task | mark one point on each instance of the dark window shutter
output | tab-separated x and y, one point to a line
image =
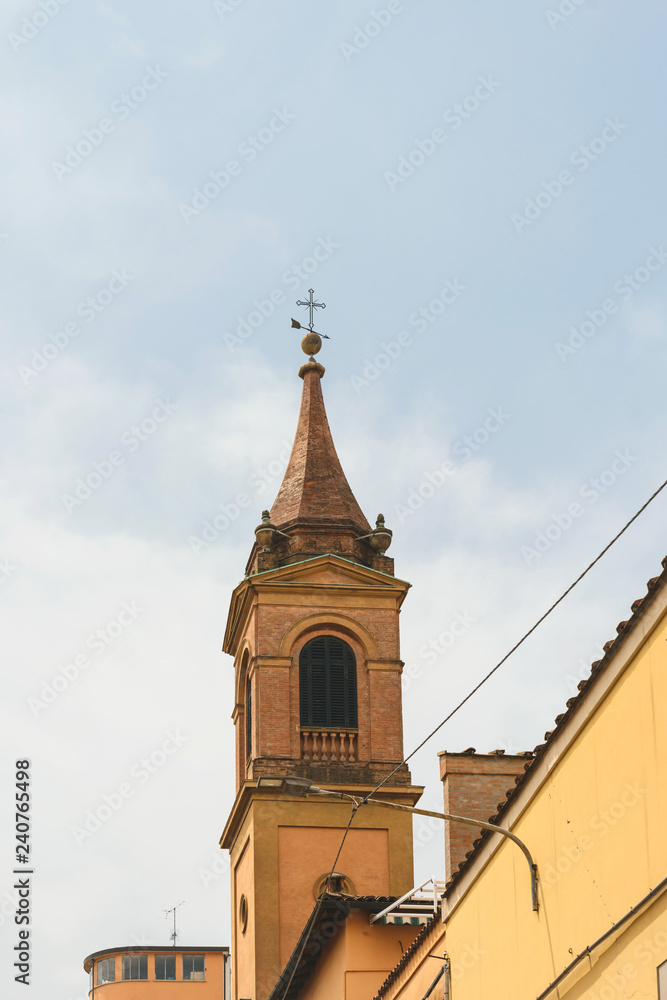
328	684
248	719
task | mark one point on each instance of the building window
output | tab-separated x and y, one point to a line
106	971
193	966
135	967
248	718
328	684
165	966
662	981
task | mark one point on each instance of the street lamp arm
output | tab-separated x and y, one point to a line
471	822
302	787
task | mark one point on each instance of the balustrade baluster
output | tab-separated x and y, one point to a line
330	746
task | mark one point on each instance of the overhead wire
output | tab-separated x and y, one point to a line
313	919
467	698
519	643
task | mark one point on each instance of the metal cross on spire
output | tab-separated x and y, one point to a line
311	305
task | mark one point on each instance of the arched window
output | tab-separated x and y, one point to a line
248	718
328	684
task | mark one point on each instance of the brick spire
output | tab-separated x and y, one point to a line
314	491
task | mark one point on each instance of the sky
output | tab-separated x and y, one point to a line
476	192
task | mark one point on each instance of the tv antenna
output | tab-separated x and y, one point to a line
166	917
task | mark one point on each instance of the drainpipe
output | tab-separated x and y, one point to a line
443	971
448	971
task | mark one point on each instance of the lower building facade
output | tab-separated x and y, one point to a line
175	973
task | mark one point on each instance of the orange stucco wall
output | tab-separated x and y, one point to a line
244	884
306	853
151	989
357	960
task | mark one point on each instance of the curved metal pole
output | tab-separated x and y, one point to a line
476	823
300	786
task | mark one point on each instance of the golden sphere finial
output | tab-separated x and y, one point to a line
311	343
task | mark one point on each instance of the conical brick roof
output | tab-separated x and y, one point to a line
314	489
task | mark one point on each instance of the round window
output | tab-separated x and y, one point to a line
334	883
243	913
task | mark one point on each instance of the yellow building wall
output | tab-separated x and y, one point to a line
597	828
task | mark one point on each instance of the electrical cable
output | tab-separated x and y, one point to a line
463	702
519	643
313	919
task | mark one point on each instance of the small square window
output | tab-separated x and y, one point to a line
193	967
135	967
106	971
165	966
662	981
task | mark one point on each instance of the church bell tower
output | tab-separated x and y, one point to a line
314	632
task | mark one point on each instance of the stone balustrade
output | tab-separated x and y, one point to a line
328	744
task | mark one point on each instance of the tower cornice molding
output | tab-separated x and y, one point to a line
290	811
353	585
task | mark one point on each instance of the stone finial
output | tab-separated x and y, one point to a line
380	538
265	532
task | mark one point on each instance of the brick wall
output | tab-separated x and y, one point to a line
473	785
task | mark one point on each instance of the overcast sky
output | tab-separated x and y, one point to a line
476	191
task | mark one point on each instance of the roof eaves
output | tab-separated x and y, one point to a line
330	906
638	608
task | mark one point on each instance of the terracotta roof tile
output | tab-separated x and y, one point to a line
637	608
314	487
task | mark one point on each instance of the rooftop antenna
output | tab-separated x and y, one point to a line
166	917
